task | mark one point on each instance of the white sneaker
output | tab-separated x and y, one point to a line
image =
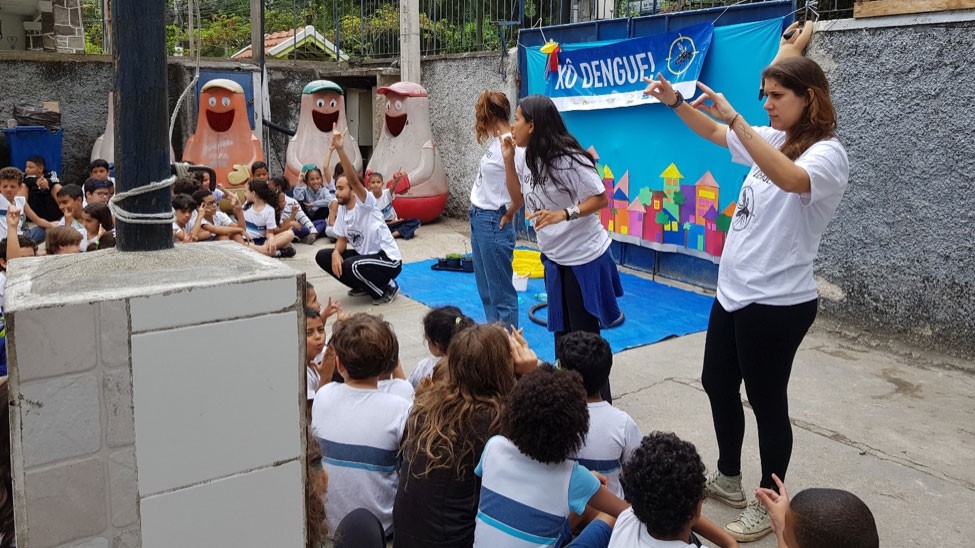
752	524
726	489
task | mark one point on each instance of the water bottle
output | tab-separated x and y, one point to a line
541	297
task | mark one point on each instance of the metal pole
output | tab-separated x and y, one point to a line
141	119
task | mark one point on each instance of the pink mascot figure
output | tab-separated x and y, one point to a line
223	138
406	145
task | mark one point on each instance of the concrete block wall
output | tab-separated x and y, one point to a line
158	400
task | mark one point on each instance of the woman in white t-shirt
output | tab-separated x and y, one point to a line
492	208
767	298
562	194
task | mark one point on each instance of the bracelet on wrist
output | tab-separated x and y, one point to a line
734	119
678	102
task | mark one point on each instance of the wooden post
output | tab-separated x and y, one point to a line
141	120
192	28
257	32
107	27
879	8
409	40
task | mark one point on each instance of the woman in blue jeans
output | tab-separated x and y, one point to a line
492	208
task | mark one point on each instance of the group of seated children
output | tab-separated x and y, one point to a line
496	449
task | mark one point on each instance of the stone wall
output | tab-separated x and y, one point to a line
63	29
899	257
454	84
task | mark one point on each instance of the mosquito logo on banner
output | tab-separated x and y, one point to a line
610	75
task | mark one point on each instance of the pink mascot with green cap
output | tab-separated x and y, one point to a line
407	154
322	108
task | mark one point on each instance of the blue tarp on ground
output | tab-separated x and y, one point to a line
654	311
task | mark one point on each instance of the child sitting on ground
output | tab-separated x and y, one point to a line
819	517
98	222
59	240
41	190
260	221
97	191
400	228
665	485
312	194
613	435
358	427
439	327
101	170
71	200
217	224
10	184
292	216
314	354
186	227
529	486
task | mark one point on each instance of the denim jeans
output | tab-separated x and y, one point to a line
492	248
36	233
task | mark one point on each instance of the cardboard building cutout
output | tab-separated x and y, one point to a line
322	106
223	136
406	144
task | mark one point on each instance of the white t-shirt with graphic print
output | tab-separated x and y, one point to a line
568	243
364	228
774	235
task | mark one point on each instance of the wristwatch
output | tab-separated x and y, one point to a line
572	213
677	102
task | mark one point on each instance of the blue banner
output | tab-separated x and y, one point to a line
669	189
610	74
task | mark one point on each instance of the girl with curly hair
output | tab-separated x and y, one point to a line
529	484
447	428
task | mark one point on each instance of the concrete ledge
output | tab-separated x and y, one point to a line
38	282
910	20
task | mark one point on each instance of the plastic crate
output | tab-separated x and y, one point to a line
27	141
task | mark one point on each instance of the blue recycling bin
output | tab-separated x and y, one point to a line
27	141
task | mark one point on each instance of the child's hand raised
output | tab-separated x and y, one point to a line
507	146
13	218
524	357
331	309
777	504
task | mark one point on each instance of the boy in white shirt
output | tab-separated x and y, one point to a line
216	223
365	257
400	228
613	435
11	179
359	427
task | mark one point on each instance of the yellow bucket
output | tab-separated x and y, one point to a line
528	262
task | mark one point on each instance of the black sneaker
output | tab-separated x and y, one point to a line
287	252
357	292
388	296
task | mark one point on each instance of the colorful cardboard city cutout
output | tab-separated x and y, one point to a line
223	136
406	144
322	108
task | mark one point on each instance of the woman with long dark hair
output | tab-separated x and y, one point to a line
766	298
563	195
492	208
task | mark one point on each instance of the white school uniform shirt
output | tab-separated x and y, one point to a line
630	532
359	431
385	204
397	387
569	243
490	191
19	203
189	224
422	369
364	228
612	438
525	503
774	235
258	222
290	204
3	283
311	381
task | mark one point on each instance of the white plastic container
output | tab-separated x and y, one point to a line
520	281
